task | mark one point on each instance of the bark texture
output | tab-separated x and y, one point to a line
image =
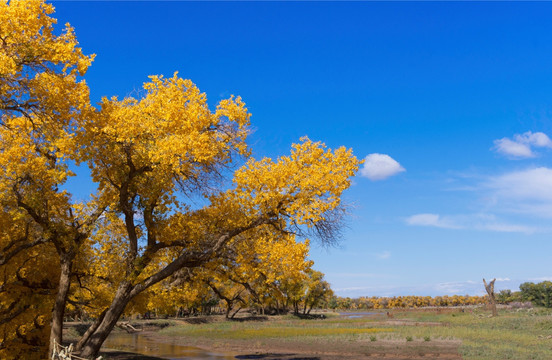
490	291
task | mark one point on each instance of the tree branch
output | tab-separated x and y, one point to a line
6	256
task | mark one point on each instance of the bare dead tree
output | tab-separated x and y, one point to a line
490	291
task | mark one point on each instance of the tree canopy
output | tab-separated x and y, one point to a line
148	156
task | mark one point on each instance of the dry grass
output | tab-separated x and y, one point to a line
426	334
282	327
511	335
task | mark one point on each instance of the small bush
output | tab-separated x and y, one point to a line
427	338
373	338
409	338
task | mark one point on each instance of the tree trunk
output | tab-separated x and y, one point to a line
127	291
94	343
234	314
228	308
59	305
90	331
492	300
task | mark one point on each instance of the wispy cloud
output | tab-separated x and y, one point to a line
527	191
521	146
384	255
529	184
456	288
357	275
483	222
511	202
380	167
434	220
467	287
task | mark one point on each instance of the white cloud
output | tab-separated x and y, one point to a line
431	220
384	255
482	222
537	139
470	287
517	201
355	275
509	228
527	191
513	149
380	166
453	288
534	184
521	146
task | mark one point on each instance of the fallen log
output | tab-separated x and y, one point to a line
128	327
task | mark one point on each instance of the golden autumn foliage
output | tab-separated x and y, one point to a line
269	272
25	297
42	101
123	250
410	301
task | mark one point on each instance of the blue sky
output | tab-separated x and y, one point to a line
450	103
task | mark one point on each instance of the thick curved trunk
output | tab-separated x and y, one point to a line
59	306
127	291
84	339
95	341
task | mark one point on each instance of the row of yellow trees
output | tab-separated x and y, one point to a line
138	234
411	301
206	293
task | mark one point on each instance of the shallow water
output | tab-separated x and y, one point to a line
359	314
172	349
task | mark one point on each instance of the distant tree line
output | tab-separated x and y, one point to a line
368	303
539	294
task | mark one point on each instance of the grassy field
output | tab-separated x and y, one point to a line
523	334
278	327
408	334
514	334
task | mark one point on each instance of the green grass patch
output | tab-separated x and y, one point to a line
280	330
512	335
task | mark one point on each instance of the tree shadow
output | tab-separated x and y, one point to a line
196	320
81	328
250	318
123	355
274	356
311	316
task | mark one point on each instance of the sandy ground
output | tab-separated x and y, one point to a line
333	350
286	349
274	350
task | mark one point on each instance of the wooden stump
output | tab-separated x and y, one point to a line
490	291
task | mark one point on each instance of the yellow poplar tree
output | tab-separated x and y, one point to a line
148	156
258	264
42	102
